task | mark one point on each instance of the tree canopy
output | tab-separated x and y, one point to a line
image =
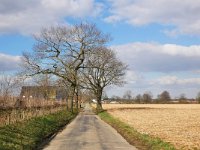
103	68
73	53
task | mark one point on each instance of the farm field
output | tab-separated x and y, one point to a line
178	124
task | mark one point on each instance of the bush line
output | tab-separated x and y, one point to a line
139	140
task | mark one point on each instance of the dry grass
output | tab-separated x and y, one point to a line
178	124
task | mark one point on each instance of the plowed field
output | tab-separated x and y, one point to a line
178	124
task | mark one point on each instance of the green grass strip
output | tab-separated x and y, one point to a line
29	134
139	140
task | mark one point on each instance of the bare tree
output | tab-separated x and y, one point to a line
182	98
138	98
103	68
198	97
147	97
127	95
164	96
44	82
9	86
61	51
115	97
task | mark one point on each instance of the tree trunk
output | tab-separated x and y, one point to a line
76	99
71	96
76	87
67	96
99	106
99	96
67	103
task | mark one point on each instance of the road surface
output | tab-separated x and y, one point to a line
88	132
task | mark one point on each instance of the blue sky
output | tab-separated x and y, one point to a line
160	41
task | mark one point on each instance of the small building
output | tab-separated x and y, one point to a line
43	92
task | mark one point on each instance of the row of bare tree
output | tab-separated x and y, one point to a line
163	97
78	58
146	97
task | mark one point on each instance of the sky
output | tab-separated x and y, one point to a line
159	40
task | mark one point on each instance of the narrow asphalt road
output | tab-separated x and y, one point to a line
88	132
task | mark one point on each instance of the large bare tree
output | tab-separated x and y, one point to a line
103	68
61	51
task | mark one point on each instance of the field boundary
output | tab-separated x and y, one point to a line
10	116
139	140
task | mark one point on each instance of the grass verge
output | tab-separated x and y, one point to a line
29	134
139	140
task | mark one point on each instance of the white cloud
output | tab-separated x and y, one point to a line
157	67
27	17
9	63
151	57
183	15
174	80
133	77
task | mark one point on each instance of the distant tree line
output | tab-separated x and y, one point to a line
147	97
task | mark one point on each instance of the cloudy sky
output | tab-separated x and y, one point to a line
159	40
